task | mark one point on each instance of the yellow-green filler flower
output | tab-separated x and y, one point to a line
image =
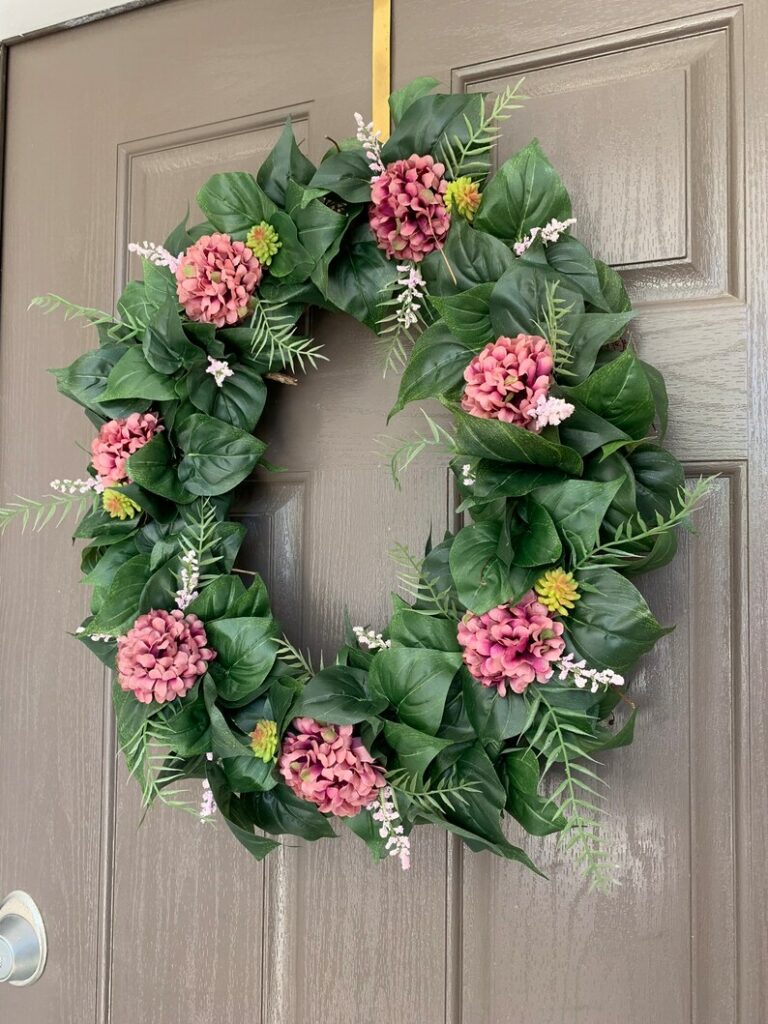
264	242
118	505
558	591
264	740
463	195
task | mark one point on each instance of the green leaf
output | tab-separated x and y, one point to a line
409	628
505	442
494	718
360	278
658	479
240	399
588	332
165	344
186	725
584	431
466	315
519	299
474	258
133	377
494	480
538	815
218	598
620	393
415	750
483	579
571	263
246	652
660	398
612	289
429	122
151	468
248	773
280	811
338	695
416	683
436	365
85	380
611	625
119	610
578	508
233	810
284	163
234	202
525	192
134	305
217	456
346	174
401	99
539	543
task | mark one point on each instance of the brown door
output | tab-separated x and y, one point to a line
655	114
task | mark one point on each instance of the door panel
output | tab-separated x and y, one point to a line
643	109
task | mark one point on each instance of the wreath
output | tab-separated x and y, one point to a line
505	665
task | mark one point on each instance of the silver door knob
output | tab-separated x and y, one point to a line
23	946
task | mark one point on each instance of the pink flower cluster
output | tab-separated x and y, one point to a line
328	766
507	380
119	439
162	655
216	278
408	214
511	646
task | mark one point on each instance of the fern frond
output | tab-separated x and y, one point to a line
405	451
200	536
419	586
38	514
146	756
468	158
440	799
299	663
550	326
614	554
118	328
274	337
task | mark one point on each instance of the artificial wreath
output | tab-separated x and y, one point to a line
506	664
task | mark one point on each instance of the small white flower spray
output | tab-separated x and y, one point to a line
549	233
386	815
371	141
189	578
583	677
156	254
370	640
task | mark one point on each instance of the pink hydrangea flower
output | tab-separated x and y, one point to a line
408	214
511	646
119	439
507	379
162	655
328	766
216	278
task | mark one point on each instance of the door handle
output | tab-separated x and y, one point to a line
23	946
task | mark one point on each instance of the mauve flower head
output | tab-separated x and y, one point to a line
511	645
507	379
119	439
329	766
216	278
162	656
408	214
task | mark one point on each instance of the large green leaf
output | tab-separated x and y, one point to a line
401	99
360	278
239	400
578	508
570	263
587	333
233	810
415	749
409	628
85	380
519	300
620	393
436	366
466	315
495	480
537	815
284	163
584	431
217	456
339	695
151	468
505	442
246	651
483	579
217	599
611	625
658	479
120	607
539	543
234	202
494	718
415	682
525	192
280	811
346	174
133	377
165	344
468	258
430	122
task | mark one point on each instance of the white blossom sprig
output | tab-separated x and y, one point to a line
371	141
550	412
467	476
83	486
410	297
549	233
207	803
156	254
385	813
219	369
189	578
582	677
370	639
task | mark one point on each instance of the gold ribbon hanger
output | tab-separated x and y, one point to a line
381	70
